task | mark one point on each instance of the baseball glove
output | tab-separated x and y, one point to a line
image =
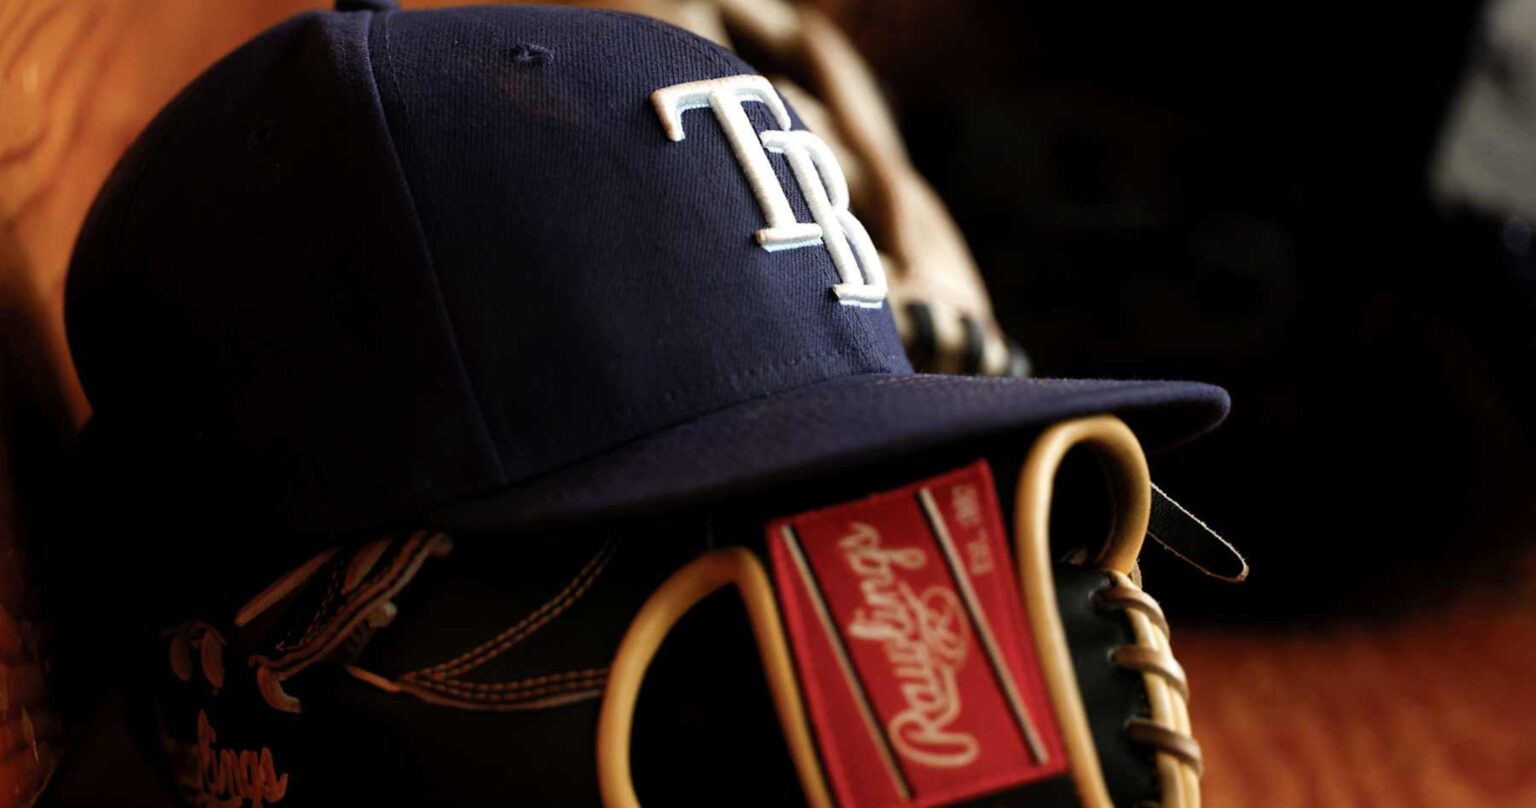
868	638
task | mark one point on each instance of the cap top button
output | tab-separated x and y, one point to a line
366	5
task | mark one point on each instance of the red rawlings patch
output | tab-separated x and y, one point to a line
912	645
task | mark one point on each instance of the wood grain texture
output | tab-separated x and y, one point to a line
78	80
1433	710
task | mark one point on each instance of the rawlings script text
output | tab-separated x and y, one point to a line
924	637
225	778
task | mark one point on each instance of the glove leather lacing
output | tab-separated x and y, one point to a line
1167	733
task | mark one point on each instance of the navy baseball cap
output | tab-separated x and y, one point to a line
502	266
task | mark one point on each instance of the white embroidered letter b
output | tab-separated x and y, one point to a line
815	170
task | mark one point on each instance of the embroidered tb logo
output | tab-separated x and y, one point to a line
815	170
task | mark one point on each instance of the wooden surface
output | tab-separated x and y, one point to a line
78	80
1434	710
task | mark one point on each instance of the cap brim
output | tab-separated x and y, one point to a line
843	422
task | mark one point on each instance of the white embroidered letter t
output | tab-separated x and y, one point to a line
813	167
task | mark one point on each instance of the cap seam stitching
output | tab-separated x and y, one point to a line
732	379
616	416
686	420
1119	408
421	233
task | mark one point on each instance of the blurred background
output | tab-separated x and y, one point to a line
1328	212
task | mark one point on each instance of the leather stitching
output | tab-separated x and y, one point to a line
507	639
513	686
532	694
520	690
402	568
332	590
